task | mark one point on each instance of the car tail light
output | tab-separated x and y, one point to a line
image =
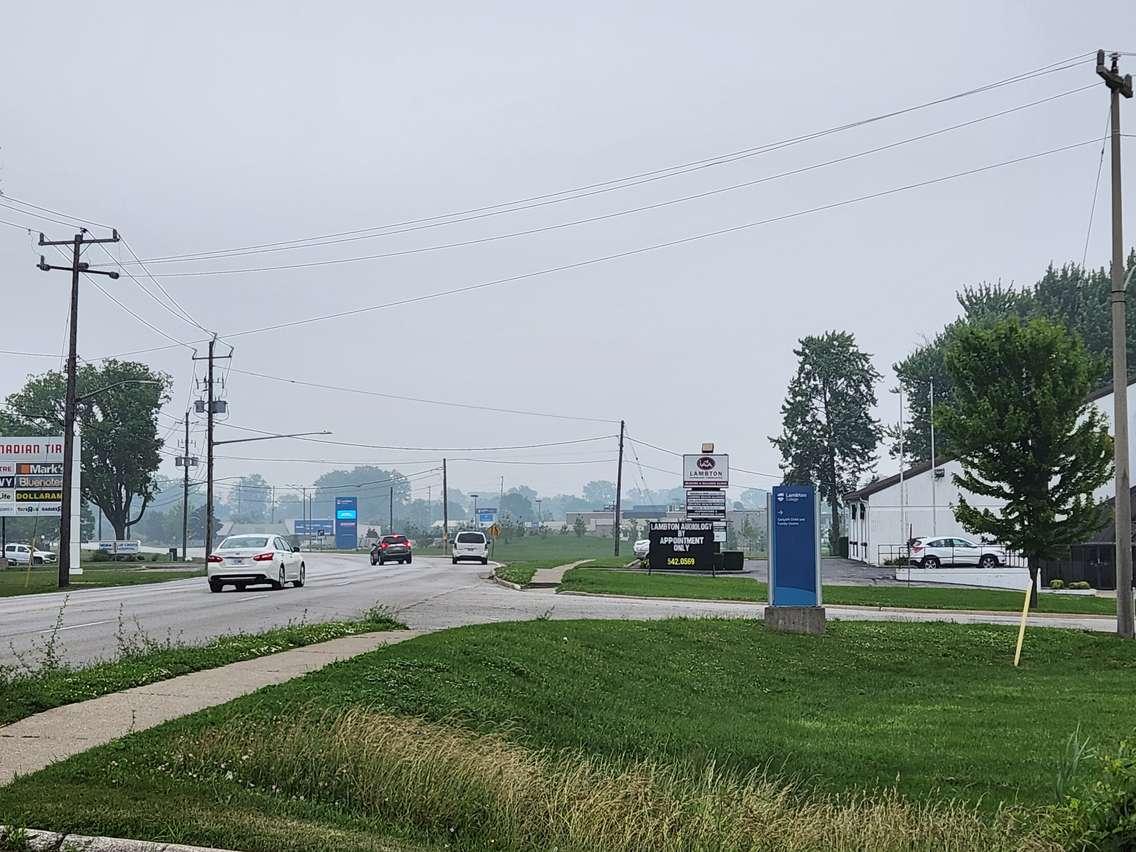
268	556
213	557
917	548
385	545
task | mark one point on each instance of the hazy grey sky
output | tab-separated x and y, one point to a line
216	125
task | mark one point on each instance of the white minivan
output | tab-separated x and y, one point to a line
471	544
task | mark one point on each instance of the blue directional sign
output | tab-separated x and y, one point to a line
346	523
794	546
316	526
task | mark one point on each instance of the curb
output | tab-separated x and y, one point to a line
894	609
506	584
55	842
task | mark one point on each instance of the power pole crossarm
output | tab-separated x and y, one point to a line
1125	625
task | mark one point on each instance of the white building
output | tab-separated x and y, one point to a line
877	515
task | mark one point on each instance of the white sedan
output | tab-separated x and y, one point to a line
245	560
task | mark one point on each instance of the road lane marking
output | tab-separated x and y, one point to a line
77	626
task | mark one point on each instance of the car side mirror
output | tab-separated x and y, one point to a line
296	549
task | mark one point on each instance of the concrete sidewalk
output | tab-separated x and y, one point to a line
549	578
31	744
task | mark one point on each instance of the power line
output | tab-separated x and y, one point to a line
1096	190
618	213
640	177
431	449
656	246
400	397
138	317
177	311
73	219
51	219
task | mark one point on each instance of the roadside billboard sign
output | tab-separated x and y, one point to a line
794	546
120	548
705	470
313	526
687	545
31	476
346	523
706	503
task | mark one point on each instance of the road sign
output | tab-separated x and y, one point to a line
486	516
31	477
705	470
494	530
685	545
794	546
318	526
120	547
346	523
705	503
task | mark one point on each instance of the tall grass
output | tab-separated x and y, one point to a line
483	790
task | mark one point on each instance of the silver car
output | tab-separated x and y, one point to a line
937	551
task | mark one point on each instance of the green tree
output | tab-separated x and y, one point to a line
599	493
250	499
118	430
516	506
579	526
829	436
1025	434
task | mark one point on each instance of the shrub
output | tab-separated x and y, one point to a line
100	556
1057	583
1103	814
1080	584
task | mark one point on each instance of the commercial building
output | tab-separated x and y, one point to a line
883	515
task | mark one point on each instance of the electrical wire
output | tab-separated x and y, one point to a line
176	310
136	316
429	449
618	213
654	247
15	209
640	177
73	218
1096	190
382	395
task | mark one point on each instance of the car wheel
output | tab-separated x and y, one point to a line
382	561
299	582
930	562
409	560
485	560
215	587
37	561
454	560
241	586
280	583
372	562
988	561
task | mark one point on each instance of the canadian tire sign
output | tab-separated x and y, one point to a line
706	470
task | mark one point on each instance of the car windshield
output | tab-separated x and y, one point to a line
394	539
471	538
237	542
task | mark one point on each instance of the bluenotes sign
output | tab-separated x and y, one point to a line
705	470
681	544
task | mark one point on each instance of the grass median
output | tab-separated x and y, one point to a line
704	587
21	581
43	680
680	734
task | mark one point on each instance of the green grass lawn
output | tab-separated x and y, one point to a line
141	660
21	581
935	710
587	578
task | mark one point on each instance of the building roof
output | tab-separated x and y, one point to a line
888	481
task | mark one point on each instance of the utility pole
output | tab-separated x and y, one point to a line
619	486
211	407
934	506
272	504
391	490
80	239
445	511
1125	624
186	461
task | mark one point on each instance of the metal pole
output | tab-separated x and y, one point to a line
934	506
619	486
445	511
902	501
391	490
1125	626
185	496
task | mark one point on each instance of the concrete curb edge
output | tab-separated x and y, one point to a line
56	842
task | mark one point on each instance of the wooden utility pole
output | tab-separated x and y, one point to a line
445	511
70	402
1125	625
619	486
212	406
186	461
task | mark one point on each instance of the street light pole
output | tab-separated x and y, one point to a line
934	506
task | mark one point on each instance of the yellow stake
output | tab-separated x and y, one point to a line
1022	628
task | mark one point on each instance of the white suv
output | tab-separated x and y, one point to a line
471	544
21	554
934	551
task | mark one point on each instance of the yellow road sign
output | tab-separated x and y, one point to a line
495	531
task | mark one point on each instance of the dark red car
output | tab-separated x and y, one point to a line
392	548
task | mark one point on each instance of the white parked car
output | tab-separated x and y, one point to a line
642	547
245	560
936	551
22	554
470	544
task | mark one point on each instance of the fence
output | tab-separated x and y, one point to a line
898	555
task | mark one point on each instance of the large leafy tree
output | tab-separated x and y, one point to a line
371	485
516	505
829	436
118	429
1025	434
599	493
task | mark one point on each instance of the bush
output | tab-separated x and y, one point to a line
1057	583
1079	584
100	556
1103	814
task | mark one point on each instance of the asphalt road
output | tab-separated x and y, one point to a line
430	593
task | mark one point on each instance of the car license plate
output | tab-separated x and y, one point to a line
236	560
